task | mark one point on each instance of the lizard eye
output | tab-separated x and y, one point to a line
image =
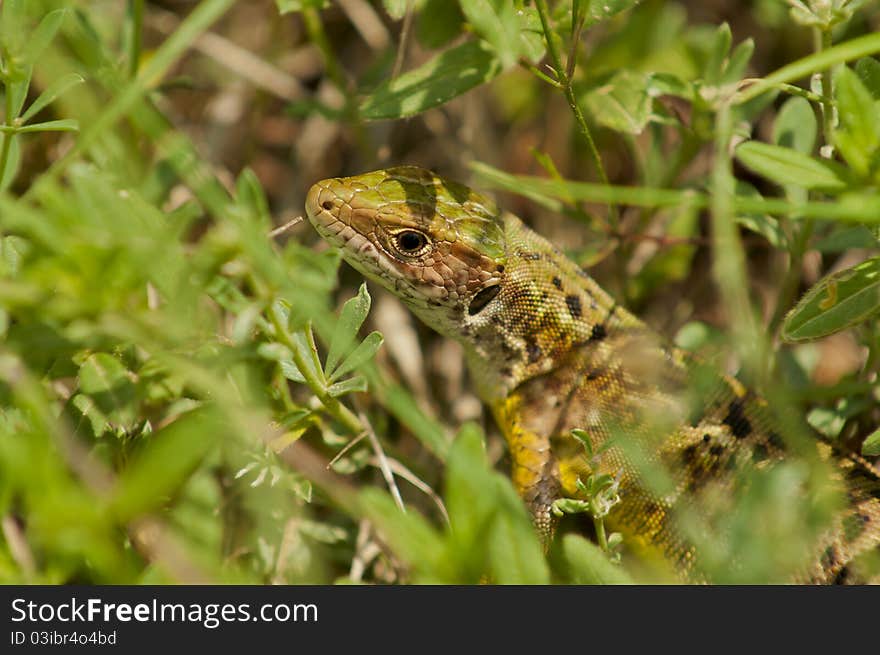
410	242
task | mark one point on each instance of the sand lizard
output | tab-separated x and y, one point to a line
549	350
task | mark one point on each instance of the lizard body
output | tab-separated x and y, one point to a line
550	351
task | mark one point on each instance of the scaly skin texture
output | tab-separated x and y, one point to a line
550	351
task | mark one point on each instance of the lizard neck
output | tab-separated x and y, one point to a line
547	307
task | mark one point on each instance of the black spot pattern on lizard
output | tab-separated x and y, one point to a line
736	420
557	283
574	305
533	350
841	576
689	454
828	558
775	440
759	453
854	525
599	332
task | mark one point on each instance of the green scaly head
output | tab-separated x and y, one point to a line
436	244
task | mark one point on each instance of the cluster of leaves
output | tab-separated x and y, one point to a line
168	373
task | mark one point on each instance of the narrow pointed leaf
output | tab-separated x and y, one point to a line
835	303
52	92
360	355
352	316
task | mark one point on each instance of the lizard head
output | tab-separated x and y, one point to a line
437	245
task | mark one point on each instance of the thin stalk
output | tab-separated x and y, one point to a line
136	17
565	80
599	525
822	40
564	75
317	35
405	31
332	405
7	138
792	280
803	232
728	256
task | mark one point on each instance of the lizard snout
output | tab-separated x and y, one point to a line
322	204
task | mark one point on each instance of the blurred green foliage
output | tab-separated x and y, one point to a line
174	382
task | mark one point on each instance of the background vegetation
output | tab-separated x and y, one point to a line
176	377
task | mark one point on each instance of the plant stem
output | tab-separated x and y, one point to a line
803	232
565	81
729	262
792	276
7	138
822	41
136	14
332	405
599	525
317	35
564	76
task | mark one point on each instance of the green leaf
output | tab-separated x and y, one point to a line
858	134
515	554
836	302
7	175
395	8
763	224
352	316
275	352
304	342
795	126
586	563
666	84
470	496
357	383
868	70
43	35
249	193
871	445
829	421
496	21
622	104
435	82
166	462
786	166
291	372
101	373
52	92
63	125
410	536
90	411
111	386
290	6
439	22
531	34
601	11
846	237
736	64
717	55
364	352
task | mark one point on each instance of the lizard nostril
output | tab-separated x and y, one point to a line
327	205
